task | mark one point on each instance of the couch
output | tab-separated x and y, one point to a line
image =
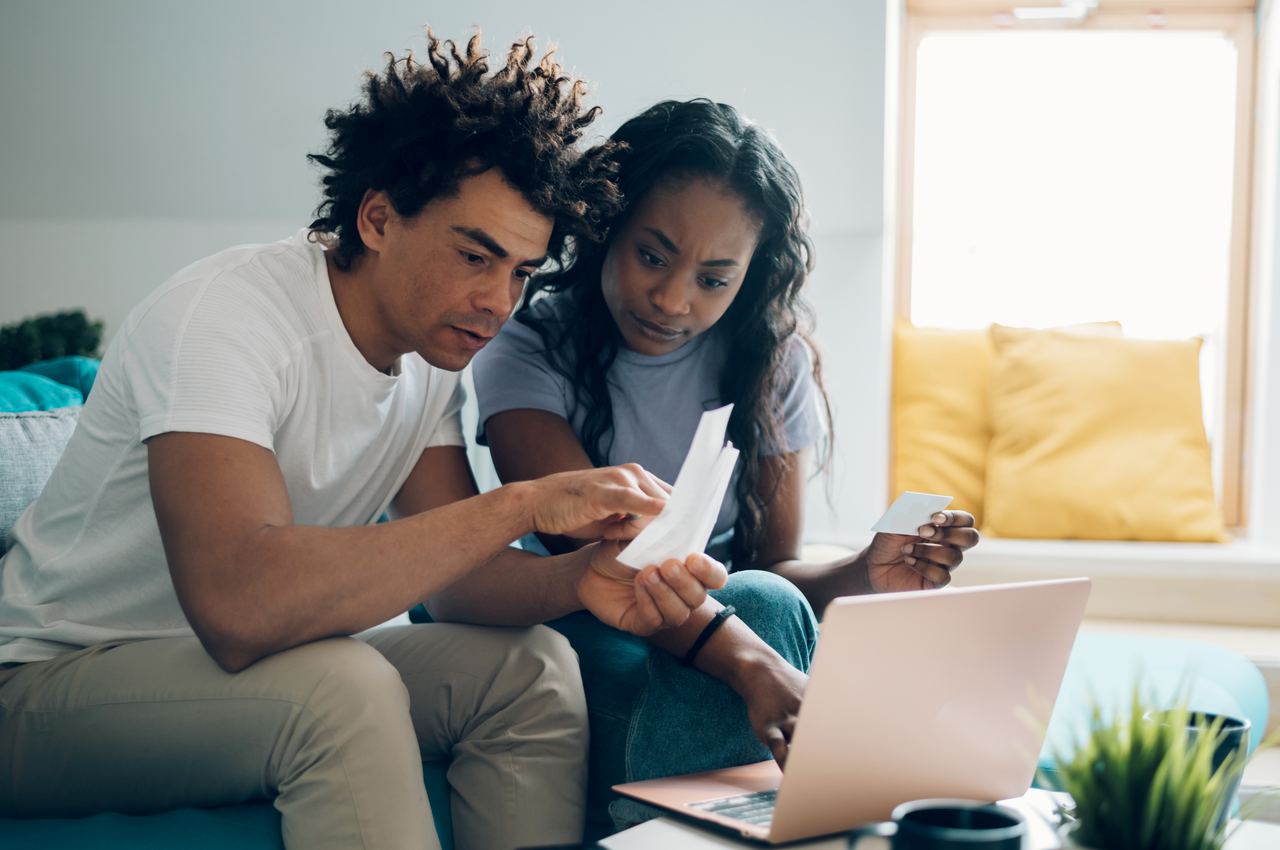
1104	667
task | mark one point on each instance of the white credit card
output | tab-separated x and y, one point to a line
909	512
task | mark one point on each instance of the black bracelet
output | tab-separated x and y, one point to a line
707	631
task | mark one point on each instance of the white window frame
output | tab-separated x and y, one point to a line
1235	19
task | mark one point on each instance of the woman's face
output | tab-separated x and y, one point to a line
677	263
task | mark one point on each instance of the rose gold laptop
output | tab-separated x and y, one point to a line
937	693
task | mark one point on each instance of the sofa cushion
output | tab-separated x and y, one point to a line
1098	438
30	444
22	391
79	373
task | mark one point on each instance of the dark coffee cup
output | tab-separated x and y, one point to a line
948	825
1233	737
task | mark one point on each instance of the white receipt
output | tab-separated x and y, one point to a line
687	520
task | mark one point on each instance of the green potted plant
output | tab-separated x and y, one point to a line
1142	781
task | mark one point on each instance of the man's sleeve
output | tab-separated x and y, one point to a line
202	360
514	372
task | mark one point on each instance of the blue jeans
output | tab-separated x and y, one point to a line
651	716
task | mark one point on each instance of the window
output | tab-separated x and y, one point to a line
1055	174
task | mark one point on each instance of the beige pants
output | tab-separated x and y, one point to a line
334	731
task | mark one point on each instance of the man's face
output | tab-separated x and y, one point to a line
449	277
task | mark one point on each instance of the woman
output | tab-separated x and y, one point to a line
692	301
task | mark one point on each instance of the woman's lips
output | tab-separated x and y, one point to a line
653	330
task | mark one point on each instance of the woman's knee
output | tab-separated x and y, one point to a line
776	610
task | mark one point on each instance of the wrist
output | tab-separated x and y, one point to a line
750	665
520	501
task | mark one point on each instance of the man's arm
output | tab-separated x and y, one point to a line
251	582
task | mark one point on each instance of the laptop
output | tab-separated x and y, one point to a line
928	694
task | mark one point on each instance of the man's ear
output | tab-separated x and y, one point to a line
371	219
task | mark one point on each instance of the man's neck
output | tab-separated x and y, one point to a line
353	293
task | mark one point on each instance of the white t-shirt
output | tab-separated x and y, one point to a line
247	343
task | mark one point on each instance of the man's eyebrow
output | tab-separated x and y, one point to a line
483	239
491	245
671	246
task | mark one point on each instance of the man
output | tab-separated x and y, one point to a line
175	612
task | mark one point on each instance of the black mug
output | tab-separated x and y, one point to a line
948	825
1233	737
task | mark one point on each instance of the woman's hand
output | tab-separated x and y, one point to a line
772	692
897	562
645	601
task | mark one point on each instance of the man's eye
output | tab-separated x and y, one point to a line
472	258
522	274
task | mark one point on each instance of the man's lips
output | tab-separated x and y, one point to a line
471	338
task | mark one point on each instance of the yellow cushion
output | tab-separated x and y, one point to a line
939	413
1099	438
940	423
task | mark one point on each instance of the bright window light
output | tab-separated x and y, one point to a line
1065	177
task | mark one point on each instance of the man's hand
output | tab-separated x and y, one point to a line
897	562
645	601
613	502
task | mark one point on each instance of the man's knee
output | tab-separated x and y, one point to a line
776	610
542	660
341	680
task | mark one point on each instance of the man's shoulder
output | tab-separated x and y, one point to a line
268	287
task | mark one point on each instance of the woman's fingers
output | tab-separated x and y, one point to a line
690	590
673	609
709	572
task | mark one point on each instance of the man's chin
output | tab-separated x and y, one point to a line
449	361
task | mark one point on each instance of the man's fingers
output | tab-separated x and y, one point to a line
632	500
674	611
707	570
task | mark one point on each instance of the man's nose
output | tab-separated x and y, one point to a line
499	295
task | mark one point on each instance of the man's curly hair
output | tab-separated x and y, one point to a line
420	129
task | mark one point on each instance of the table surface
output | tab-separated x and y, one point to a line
673	834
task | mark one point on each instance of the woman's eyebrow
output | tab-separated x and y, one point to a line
673	248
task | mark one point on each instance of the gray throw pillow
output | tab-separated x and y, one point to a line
30	445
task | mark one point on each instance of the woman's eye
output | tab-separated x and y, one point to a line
651	258
714	283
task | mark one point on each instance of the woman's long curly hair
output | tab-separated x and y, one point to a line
700	139
421	128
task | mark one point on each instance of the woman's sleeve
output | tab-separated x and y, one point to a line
803	424
515	372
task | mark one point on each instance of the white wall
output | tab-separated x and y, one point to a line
1264	380
139	135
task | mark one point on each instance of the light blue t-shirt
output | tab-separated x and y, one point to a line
657	400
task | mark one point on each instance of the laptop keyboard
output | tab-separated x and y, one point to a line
755	808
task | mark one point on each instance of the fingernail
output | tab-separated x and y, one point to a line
940	518
654	578
906	550
910	560
927	531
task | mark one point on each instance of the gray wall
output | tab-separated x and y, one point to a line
139	135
